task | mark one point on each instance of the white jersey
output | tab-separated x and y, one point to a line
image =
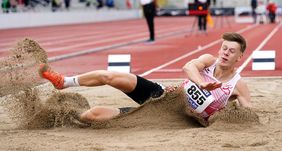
220	95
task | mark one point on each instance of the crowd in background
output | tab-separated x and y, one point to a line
260	9
57	5
15	5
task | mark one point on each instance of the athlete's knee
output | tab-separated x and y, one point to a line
85	116
106	77
90	115
99	114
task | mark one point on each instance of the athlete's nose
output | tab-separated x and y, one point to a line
226	52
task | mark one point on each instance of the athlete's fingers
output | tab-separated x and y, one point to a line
206	86
217	84
210	85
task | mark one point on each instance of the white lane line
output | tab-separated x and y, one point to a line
69	37
112	46
191	53
246	62
88	51
78	29
94	39
61	37
132	35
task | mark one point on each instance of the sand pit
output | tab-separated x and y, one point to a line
153	126
61	109
42	118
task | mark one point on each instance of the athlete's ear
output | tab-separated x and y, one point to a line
240	57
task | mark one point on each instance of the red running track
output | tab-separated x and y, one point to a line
174	45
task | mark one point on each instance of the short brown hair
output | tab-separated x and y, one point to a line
231	36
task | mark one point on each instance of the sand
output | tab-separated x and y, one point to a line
17	69
150	130
38	117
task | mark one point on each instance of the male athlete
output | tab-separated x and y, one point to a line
211	82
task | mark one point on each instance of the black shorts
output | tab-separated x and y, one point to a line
144	90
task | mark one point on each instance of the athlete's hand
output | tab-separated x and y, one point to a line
210	85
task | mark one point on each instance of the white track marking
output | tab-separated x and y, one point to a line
142	34
54	40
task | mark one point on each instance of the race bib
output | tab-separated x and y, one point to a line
198	99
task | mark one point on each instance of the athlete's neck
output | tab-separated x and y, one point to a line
224	74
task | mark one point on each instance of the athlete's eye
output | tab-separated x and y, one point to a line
224	47
232	50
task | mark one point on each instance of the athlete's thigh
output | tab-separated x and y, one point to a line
125	82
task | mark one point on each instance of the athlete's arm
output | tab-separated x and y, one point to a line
242	94
193	68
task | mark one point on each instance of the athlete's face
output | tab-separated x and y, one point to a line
229	53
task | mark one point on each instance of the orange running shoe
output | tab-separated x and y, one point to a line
55	78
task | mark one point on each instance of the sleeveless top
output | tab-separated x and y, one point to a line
221	95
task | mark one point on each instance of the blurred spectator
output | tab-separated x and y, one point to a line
26	3
128	4
9	5
110	3
271	8
13	4
254	5
5	6
202	18
89	2
100	4
149	10
56	4
214	2
67	4
261	12
31	4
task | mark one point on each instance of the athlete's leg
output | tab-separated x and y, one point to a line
99	113
125	82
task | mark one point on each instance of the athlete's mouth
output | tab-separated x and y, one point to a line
224	59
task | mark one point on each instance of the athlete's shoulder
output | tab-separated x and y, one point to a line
207	59
209	56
